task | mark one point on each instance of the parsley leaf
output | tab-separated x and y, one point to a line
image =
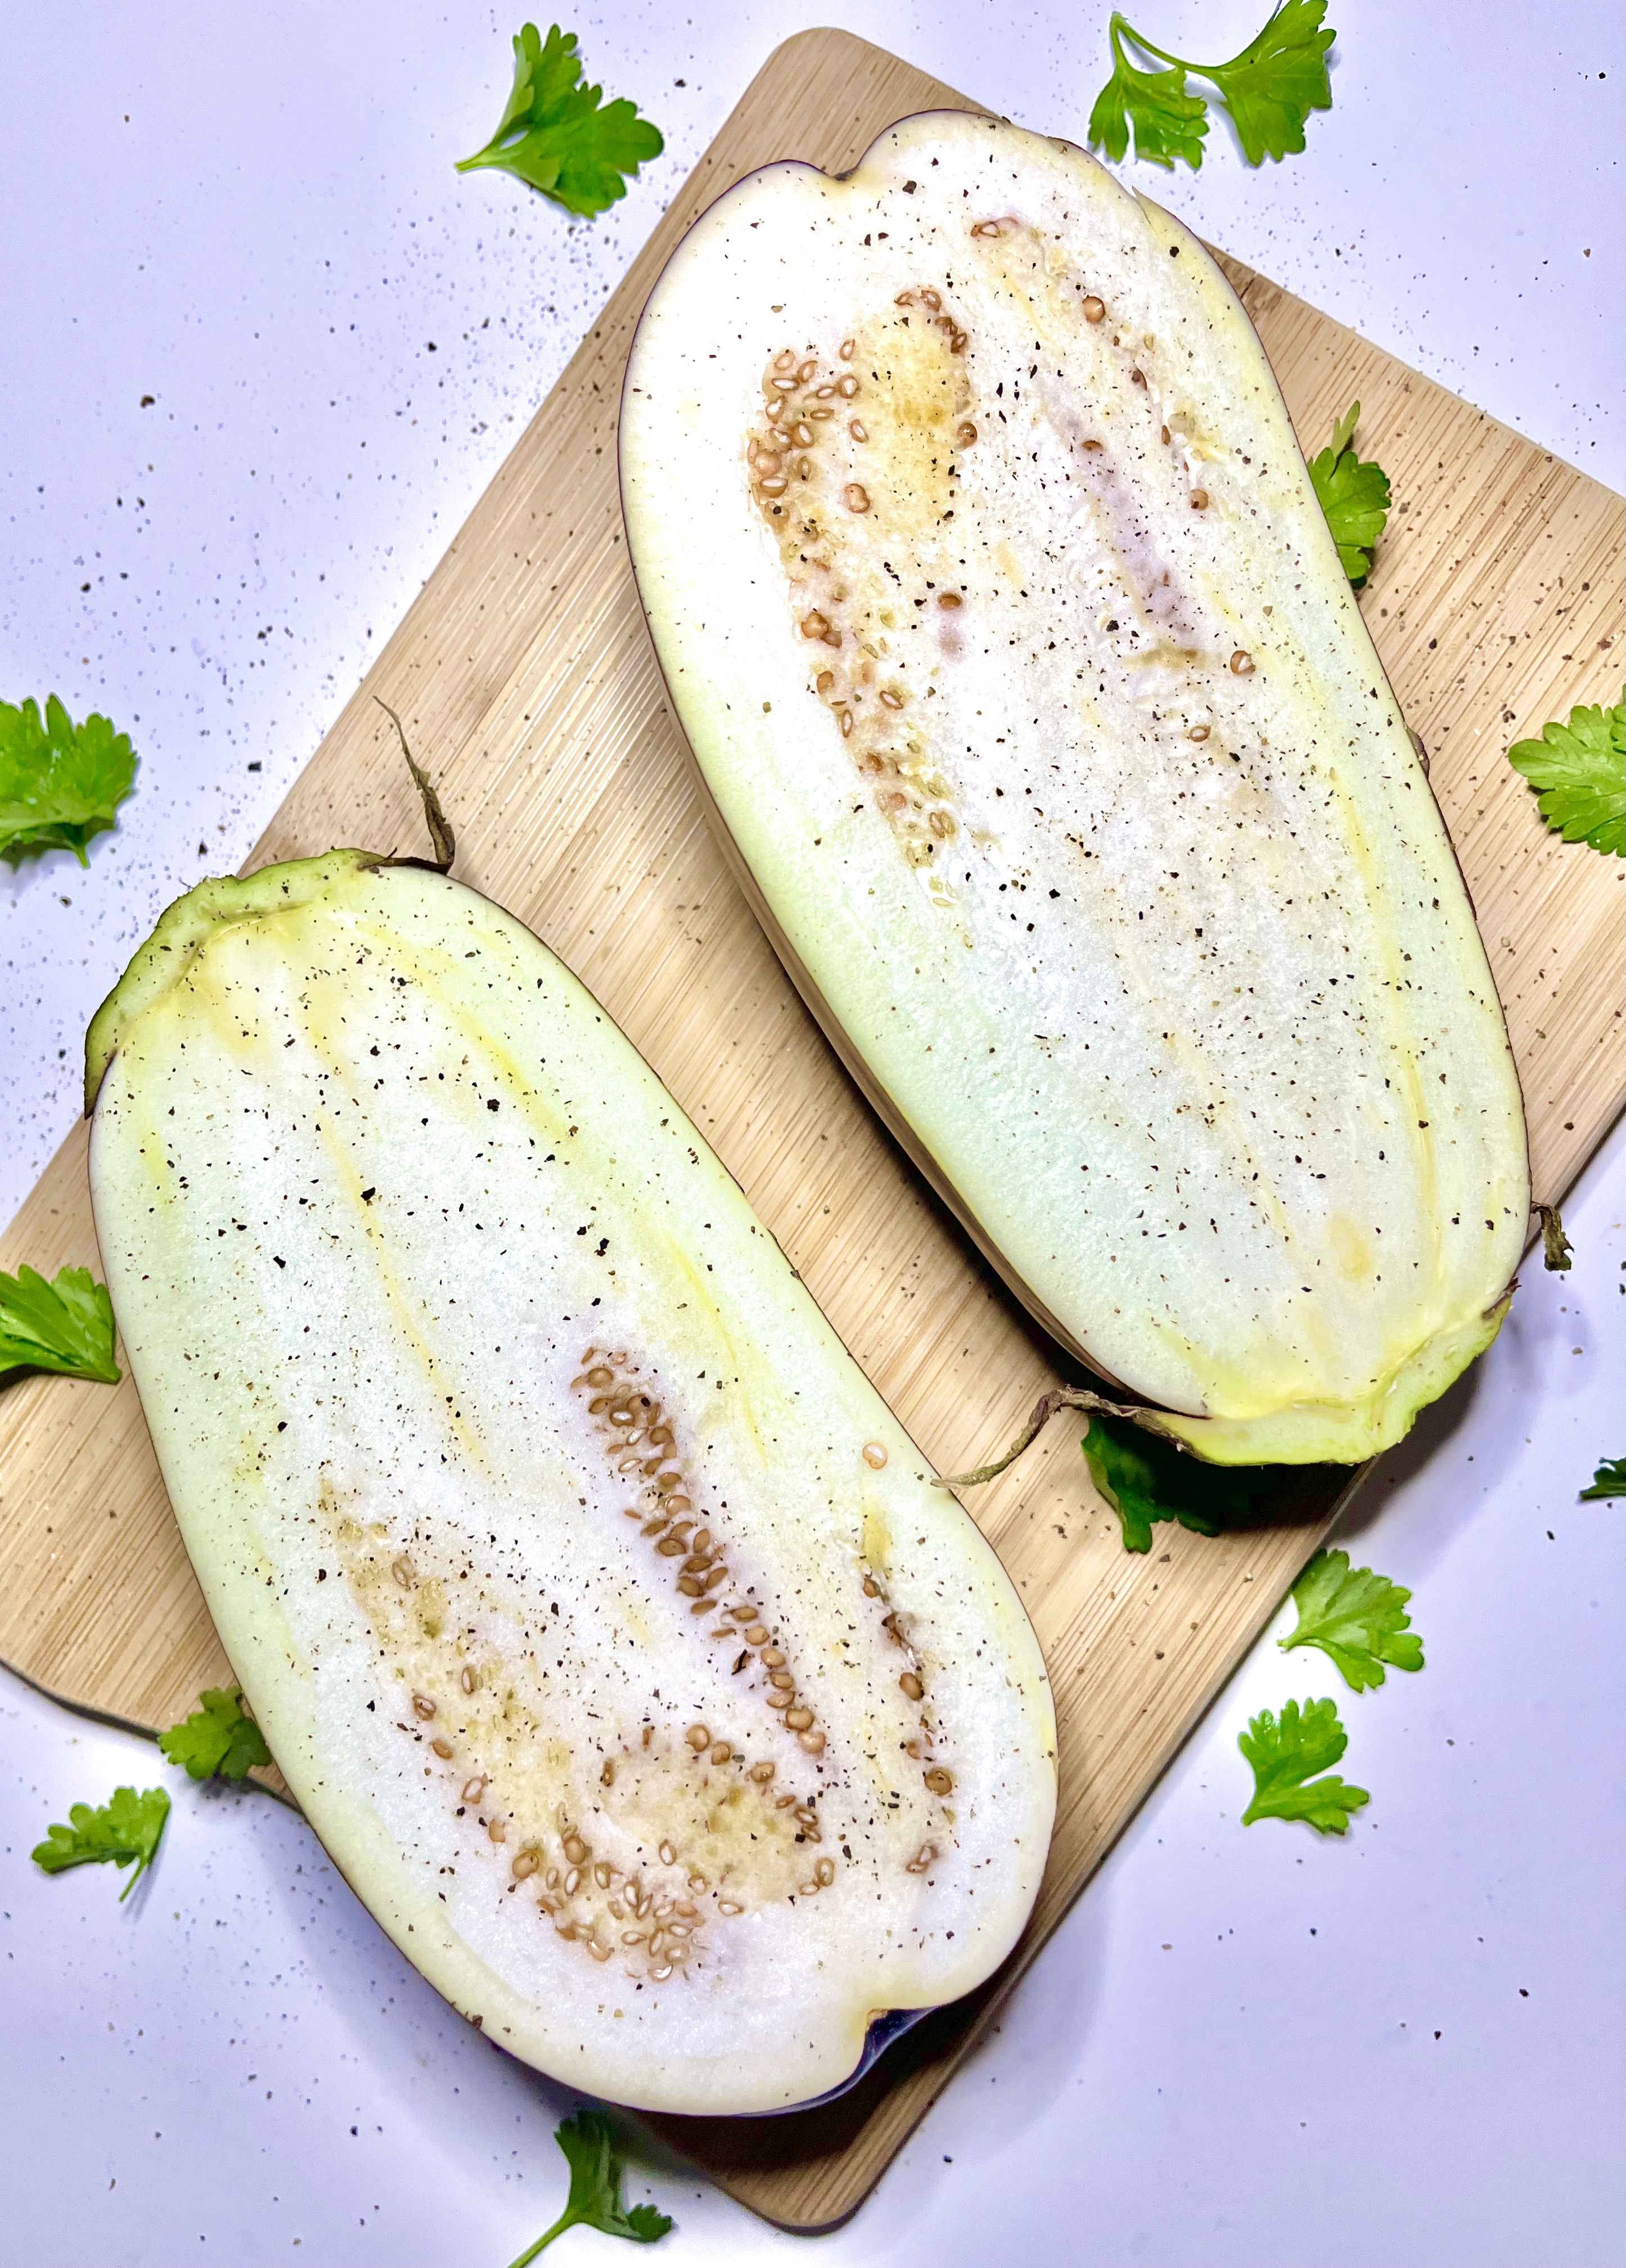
126	1829
1355	497
554	135
594	2200
1168	122
1146	1480
1283	1756
217	1742
1276	81
60	783
66	1326
1609	1480
1270	91
1357	1619
1579	771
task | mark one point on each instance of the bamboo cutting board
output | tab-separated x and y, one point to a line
528	688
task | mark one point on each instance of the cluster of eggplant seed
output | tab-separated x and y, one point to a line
642	1447
804	496
656	1925
665	1924
653	1917
806	407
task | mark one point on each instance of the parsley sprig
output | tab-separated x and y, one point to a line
595	2201
217	1740
1578	771
64	1326
126	1829
1355	497
1357	1619
1269	90
1609	1480
60	783
1146	1480
563	138
1285	1753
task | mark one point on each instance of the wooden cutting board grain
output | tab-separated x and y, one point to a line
528	687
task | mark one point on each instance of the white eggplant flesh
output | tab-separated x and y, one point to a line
604	1621
1042	726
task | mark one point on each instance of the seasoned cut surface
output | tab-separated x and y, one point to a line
602	1618
1018	659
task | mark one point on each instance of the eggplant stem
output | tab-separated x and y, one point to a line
439	826
1059	1397
1556	1246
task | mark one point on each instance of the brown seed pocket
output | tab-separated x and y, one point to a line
636	1856
640	1444
831	489
639	1851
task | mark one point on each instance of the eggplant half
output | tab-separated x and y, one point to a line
607	1625
1042	727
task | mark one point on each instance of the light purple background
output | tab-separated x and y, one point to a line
1252	2048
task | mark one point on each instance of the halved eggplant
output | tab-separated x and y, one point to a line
603	1620
1044	729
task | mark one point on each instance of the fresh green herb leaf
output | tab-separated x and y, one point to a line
1355	497
1609	1480
1285	1755
1556	1246
1578	770
594	2200
126	1829
1146	1480
1168	123
60	783
1270	91
1357	1619
1276	81
66	1326
217	1742
554	135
